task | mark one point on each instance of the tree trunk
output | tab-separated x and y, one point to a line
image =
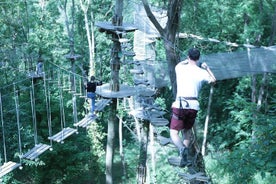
110	141
90	38
114	84
70	32
172	60
121	147
152	152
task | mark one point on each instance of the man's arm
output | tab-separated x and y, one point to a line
205	66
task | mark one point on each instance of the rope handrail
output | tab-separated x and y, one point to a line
3	131
32	96
18	122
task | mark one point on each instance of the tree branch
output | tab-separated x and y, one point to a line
152	18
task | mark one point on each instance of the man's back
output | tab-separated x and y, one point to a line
189	79
91	87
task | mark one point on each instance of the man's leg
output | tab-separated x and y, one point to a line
176	139
187	137
178	142
93	101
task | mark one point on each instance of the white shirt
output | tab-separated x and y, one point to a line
189	80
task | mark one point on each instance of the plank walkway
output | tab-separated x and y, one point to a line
8	167
194	177
100	105
36	151
159	121
63	134
86	121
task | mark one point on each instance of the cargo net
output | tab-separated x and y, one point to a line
242	63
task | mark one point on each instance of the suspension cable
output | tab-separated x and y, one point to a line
48	108
16	100
32	96
61	105
3	131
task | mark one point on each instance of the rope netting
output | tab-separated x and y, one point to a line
242	63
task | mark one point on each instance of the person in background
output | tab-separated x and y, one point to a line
39	68
91	89
189	79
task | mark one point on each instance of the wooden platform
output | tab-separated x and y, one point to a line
131	62
124	40
175	161
66	132
100	105
72	56
125	91
129	53
145	92
141	81
86	121
36	151
136	71
110	28
146	114
159	121
8	167
194	177
34	75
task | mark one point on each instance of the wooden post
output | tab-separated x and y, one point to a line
207	121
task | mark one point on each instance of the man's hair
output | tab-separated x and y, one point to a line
194	54
92	78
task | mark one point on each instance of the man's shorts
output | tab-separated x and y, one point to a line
182	118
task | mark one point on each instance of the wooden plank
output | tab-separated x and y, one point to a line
8	167
86	121
36	151
66	132
124	91
164	140
100	105
109	27
136	71
192	177
159	121
129	53
34	75
176	161
141	81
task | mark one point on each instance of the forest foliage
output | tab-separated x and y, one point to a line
242	129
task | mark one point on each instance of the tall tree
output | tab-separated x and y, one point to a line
168	34
117	20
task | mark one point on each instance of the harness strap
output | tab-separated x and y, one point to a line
181	107
187	98
180	102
